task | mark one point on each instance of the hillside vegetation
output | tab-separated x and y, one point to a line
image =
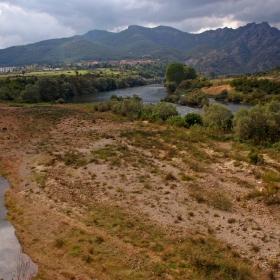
251	48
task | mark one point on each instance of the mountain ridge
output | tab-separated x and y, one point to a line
250	48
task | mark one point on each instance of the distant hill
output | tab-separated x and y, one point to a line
251	48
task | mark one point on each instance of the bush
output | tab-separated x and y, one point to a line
147	111
171	86
223	95
260	123
218	115
192	119
255	158
235	97
172	98
103	106
195	98
164	110
176	121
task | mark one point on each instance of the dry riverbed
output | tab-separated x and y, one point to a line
96	196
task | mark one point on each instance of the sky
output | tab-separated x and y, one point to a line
29	21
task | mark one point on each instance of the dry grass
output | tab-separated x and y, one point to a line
101	197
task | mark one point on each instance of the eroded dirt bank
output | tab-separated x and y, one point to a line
95	196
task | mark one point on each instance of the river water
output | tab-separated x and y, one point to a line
13	263
149	94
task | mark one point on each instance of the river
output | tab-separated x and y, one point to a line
13	263
149	94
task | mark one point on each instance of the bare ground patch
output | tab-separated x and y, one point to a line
97	197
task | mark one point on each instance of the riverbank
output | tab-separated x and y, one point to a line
95	196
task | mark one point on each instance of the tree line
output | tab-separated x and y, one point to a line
48	89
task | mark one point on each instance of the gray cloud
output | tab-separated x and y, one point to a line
27	21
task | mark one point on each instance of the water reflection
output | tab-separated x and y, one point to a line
13	263
149	94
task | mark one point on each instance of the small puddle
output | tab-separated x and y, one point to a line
13	263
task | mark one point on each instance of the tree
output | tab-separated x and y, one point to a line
175	72
30	94
190	73
48	89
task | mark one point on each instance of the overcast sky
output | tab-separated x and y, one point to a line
29	21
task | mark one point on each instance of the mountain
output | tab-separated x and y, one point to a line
250	48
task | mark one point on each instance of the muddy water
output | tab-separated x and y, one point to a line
13	263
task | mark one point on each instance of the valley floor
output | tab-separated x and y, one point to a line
96	196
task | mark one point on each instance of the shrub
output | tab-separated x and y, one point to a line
223	95
103	106
260	123
192	119
235	97
176	121
172	98
218	115
164	110
255	158
195	98
171	86
147	111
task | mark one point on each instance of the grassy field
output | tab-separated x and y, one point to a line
103	71
45	73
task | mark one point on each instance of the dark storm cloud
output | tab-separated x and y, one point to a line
32	20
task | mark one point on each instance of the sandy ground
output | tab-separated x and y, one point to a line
48	195
217	89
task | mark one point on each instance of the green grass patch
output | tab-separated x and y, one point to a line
217	199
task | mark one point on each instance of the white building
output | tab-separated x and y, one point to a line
6	69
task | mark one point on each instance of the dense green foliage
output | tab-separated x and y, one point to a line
60	87
261	123
175	72
134	108
183	86
193	119
251	91
247	85
196	98
218	115
49	88
10	89
191	84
